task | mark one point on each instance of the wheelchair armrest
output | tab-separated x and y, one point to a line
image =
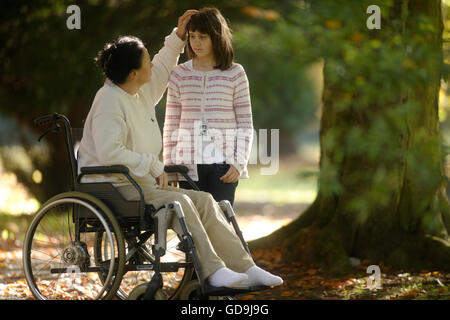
183	170
176	168
105	169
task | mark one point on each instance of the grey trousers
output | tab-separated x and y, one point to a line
216	243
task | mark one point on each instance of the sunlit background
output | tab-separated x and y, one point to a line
277	42
263	203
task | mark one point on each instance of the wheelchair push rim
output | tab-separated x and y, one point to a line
57	257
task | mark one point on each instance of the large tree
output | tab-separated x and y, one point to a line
381	193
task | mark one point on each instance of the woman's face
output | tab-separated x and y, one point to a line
200	43
145	72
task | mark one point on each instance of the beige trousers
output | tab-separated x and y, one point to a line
215	241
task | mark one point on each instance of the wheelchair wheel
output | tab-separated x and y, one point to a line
139	262
138	293
189	291
58	253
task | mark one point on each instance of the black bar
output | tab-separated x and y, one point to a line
165	267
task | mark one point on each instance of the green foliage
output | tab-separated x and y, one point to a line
282	95
377	81
48	68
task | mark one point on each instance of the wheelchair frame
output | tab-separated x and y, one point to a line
135	220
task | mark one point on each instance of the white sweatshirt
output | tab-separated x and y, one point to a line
121	129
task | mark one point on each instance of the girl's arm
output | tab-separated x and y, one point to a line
172	121
244	121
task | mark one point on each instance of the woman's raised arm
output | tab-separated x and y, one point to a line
167	58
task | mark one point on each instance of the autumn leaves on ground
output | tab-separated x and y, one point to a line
307	282
301	282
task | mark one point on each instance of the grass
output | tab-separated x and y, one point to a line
288	185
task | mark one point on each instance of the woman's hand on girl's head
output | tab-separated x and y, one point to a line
182	22
162	180
231	176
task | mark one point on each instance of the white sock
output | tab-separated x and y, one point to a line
225	277
258	276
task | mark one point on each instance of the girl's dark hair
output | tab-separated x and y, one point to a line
118	58
210	21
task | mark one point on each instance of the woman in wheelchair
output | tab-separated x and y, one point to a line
121	129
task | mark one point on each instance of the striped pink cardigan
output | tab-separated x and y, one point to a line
223	99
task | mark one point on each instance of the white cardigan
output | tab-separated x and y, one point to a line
122	129
222	99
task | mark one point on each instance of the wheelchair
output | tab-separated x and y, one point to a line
91	243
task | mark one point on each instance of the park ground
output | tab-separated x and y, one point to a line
264	204
301	282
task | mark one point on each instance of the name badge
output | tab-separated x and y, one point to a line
203	128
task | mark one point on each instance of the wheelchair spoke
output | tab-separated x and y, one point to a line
58	263
46	263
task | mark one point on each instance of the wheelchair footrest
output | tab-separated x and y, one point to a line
225	291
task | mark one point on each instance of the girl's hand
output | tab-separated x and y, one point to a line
162	180
231	176
182	22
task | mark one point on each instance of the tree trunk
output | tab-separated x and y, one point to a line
408	223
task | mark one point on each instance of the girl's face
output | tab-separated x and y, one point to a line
200	43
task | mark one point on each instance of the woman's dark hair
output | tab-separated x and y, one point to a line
210	21
118	58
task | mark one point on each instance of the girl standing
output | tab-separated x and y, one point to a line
208	125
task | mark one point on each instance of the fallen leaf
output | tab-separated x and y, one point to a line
287	293
311	272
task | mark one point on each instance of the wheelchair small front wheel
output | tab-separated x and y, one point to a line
138	293
173	281
189	292
59	248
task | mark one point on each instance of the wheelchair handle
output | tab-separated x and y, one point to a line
46	120
49	119
54	120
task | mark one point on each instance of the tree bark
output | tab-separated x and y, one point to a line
410	227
